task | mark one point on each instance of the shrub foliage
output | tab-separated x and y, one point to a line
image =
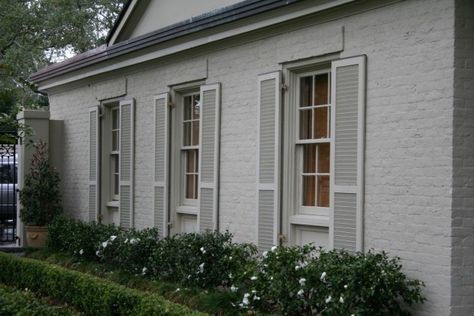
290	280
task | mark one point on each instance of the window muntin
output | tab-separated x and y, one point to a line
114	153
313	142
190	148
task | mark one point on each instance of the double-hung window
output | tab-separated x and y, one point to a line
313	144
190	149
114	154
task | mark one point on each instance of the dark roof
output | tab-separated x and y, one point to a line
209	20
118	20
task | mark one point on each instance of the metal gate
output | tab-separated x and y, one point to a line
8	194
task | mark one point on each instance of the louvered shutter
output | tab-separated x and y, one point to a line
160	194
209	157
347	154
269	98
126	162
93	163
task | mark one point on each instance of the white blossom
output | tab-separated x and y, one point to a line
81	252
126	241
328	299
104	244
245	300
201	268
233	288
230	276
97	253
256	298
253	278
323	277
345	286
297	268
144	270
178	289
302	281
265	254
133	241
274	248
203	250
112	238
254	291
230	258
300	292
341	299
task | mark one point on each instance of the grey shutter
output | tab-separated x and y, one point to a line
209	157
347	154
126	162
93	163
269	98
160	194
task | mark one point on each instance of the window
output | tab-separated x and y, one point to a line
110	160
190	147
313	143
114	155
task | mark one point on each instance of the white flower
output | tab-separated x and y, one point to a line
81	252
97	253
323	277
133	241
201	268
341	299
303	264
254	291
352	315
112	238
328	299
230	276
230	258
245	300
345	286
178	289
302	281
126	241
203	250
144	270
253	278
274	248
300	292
271	278
256	298
233	288
265	254
297	268
104	244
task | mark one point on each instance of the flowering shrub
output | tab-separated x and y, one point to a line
129	249
204	260
307	281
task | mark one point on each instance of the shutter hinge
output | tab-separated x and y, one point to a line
284	87
171	105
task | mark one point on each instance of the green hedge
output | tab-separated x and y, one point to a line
89	294
16	302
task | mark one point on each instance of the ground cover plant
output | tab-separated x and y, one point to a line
283	280
23	302
90	295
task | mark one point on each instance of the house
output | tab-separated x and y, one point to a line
347	123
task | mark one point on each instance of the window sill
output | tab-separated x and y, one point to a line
322	221
113	204
186	209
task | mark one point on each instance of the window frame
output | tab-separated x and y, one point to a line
298	144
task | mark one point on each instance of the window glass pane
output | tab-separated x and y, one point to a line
116	184
309	158
190	163
115	139
309	190
196	107
197	160
321	89
189	186
321	122
323	191
305	124
115	119
196	181
187	133
195	132
323	158
306	87
187	107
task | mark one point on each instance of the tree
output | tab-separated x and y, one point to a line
35	33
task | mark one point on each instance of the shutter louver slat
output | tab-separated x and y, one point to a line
160	175
93	163
348	92
209	157
268	160
126	164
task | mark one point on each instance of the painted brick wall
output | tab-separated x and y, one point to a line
462	287
409	146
